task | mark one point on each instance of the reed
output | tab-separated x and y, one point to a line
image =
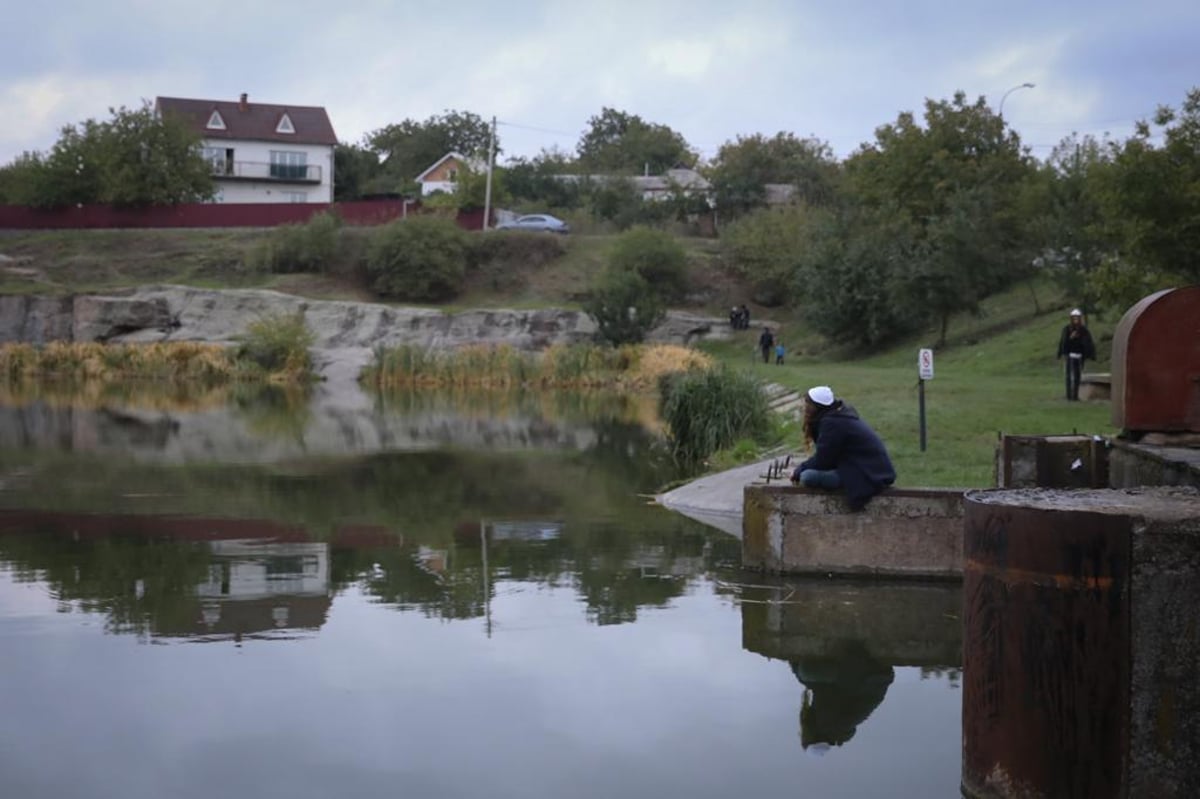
707	411
629	368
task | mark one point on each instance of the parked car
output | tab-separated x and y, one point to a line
544	222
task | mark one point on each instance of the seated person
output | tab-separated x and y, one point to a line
850	455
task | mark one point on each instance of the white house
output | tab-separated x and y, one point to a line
261	153
442	174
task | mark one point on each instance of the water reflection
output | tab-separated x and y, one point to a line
843	641
217	578
265	424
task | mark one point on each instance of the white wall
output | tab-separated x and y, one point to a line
274	191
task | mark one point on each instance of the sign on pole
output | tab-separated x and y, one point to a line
925	364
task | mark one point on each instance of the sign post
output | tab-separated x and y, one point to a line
924	372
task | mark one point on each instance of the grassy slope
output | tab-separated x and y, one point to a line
997	373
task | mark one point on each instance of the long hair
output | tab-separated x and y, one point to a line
812	415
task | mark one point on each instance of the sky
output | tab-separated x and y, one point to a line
712	71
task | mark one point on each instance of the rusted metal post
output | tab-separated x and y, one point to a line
1080	643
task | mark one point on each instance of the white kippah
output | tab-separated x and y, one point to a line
821	395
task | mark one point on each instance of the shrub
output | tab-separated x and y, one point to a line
624	307
277	344
656	256
519	248
422	258
310	247
709	410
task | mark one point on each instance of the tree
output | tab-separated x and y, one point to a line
619	143
655	256
955	184
624	307
354	167
1152	199
744	167
133	158
548	180
407	148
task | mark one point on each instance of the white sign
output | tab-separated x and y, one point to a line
925	364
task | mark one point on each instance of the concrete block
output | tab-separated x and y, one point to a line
910	532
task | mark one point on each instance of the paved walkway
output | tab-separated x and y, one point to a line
716	499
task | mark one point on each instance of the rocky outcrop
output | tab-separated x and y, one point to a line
346	333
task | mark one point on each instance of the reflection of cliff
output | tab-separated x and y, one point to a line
254	436
842	689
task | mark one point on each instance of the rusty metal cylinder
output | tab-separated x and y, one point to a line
1080	643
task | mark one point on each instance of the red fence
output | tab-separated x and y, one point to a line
210	215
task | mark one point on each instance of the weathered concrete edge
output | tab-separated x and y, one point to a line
766	533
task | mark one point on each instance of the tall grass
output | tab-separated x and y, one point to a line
706	411
632	368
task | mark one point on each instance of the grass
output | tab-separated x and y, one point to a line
985	383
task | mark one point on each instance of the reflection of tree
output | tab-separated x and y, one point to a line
842	689
140	584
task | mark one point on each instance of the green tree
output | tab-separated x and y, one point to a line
548	180
616	142
1152	200
956	184
133	158
624	307
744	167
767	246
408	148
655	256
354	168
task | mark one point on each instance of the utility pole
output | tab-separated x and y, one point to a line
487	191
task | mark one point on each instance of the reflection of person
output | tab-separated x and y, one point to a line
850	455
1077	345
766	342
842	689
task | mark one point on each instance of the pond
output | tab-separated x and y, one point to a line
433	596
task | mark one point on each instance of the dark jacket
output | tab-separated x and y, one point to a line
846	443
1077	340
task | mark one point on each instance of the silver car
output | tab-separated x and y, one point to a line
540	222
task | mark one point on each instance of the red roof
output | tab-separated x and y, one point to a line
256	121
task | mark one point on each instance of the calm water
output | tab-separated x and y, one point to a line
427	597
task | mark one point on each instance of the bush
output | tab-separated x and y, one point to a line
706	411
623	306
520	248
277	344
310	247
422	258
655	256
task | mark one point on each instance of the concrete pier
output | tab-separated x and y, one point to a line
903	532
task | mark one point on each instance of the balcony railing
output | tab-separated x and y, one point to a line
260	170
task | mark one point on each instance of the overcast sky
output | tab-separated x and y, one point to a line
710	70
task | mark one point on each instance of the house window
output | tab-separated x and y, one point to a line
285	125
452	175
215	121
288	165
220	158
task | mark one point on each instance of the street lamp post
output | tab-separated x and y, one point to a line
1003	97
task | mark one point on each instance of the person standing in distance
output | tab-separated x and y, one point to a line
850	455
1077	345
766	343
